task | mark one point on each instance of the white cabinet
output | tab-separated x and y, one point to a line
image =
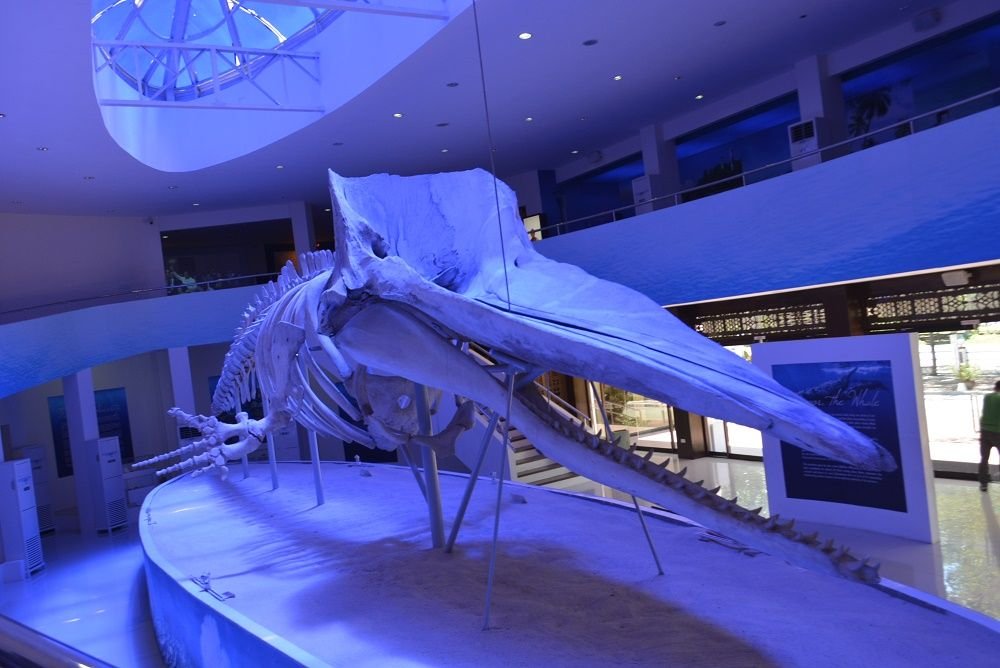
41	475
22	543
109	486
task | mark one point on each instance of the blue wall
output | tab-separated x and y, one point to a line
923	202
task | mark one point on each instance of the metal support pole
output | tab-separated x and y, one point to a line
246	467
496	518
431	480
473	477
405	454
635	502
271	456
317	473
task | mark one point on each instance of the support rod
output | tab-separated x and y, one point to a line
405	455
473	477
271	456
317	472
431	480
635	502
511	376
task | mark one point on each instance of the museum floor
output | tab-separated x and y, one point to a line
92	593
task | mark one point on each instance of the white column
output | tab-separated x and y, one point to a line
820	96
659	161
302	227
81	420
182	386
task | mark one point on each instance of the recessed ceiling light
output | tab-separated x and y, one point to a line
444	150
172	187
719	24
397	115
88	178
677	77
802	16
327	209
575	151
525	35
699	96
42	148
279	166
195	204
338	143
589	42
443	124
164	236
3	115
452	84
583	118
528	119
617	77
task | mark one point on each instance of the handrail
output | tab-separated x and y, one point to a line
899	130
198	286
27	647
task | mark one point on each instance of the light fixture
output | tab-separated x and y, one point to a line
279	166
590	42
677	77
452	84
172	187
699	96
617	77
956	278
719	24
397	115
327	209
164	236
444	150
443	124
338	143
3	115
42	148
525	35
528	119
575	151
88	178
195	204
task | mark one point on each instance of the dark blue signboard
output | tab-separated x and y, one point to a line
112	420
861	395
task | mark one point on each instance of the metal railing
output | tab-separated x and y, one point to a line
24	646
839	149
61	306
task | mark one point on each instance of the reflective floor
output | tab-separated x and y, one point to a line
92	594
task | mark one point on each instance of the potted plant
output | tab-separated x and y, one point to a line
968	375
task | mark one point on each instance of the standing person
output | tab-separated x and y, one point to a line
989	433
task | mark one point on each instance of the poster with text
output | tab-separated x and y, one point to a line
861	395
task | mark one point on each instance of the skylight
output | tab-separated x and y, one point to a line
139	39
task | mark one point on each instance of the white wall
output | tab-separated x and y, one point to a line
53	258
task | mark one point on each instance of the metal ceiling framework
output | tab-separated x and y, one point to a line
192	62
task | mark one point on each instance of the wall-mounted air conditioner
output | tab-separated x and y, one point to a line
22	544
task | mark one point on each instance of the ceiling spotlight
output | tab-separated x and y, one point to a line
590	42
699	96
525	35
444	150
279	166
195	204
719	24
617	77
575	151
3	115
172	187
452	84
802	16
327	209
442	125
677	77
164	236
528	119
42	148
397	115
338	143
88	178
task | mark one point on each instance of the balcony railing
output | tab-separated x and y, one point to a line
919	123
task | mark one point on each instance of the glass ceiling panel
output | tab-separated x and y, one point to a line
180	75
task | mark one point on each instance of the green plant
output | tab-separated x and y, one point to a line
968	373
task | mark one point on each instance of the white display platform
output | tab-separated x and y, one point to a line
873	384
355	583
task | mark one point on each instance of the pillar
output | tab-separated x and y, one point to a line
81	421
820	97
